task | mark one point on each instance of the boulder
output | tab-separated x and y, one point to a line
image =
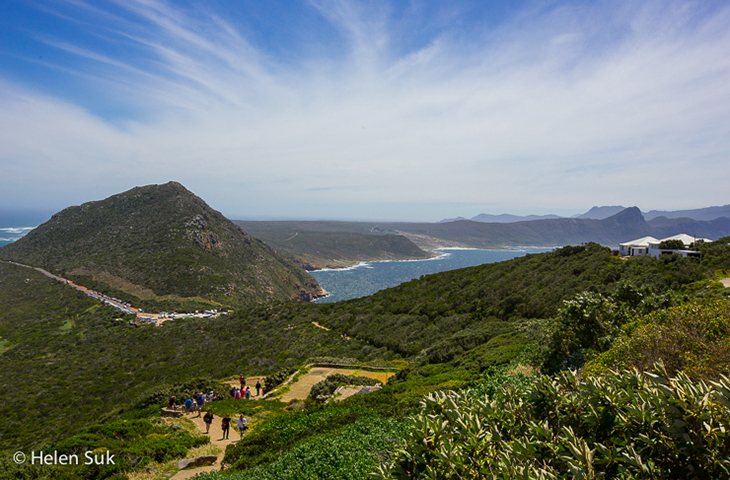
196	462
168	412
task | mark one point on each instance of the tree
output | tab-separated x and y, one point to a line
675	244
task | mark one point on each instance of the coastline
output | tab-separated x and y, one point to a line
439	253
366	263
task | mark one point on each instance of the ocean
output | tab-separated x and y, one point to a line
367	278
11	234
16	223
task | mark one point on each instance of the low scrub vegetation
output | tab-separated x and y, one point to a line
452	335
328	386
627	425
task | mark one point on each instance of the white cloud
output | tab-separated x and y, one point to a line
557	108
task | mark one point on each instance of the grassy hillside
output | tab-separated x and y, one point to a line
67	360
417	315
157	241
80	365
328	248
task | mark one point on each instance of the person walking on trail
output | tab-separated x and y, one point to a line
226	425
242	425
208	419
243	381
258	388
248	393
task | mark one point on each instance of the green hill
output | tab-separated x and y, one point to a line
67	361
160	242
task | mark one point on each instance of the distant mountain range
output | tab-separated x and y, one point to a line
601	213
503	218
624	226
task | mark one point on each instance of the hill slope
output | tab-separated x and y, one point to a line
161	240
331	249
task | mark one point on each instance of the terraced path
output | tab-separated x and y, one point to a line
301	388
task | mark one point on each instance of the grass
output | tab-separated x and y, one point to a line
163	471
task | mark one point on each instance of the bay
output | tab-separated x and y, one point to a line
367	278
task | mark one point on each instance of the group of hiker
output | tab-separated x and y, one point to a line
226	424
245	391
199	399
194	403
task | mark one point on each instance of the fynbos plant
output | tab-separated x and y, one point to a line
624	425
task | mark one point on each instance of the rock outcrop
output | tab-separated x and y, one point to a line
196	462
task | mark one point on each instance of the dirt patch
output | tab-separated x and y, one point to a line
216	438
300	389
726	282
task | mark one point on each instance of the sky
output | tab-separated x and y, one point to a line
335	109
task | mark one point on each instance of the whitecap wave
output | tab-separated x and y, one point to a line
344	269
11	234
16	230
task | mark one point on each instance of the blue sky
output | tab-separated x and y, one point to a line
367	110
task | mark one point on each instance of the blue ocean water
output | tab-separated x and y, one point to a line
369	277
16	223
11	234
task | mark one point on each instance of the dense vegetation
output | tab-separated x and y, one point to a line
451	312
68	360
83	366
693	338
329	385
626	425
161	240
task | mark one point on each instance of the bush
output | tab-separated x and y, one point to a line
160	395
351	453
693	338
275	379
626	425
328	386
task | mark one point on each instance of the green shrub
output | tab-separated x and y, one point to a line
134	444
351	453
693	338
275	379
328	386
624	425
672	245
160	395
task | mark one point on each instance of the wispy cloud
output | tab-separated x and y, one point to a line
556	106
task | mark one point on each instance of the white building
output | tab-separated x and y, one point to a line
650	246
636	248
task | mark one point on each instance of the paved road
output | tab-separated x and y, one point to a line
126	308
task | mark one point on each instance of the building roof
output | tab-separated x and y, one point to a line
686	239
640	242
